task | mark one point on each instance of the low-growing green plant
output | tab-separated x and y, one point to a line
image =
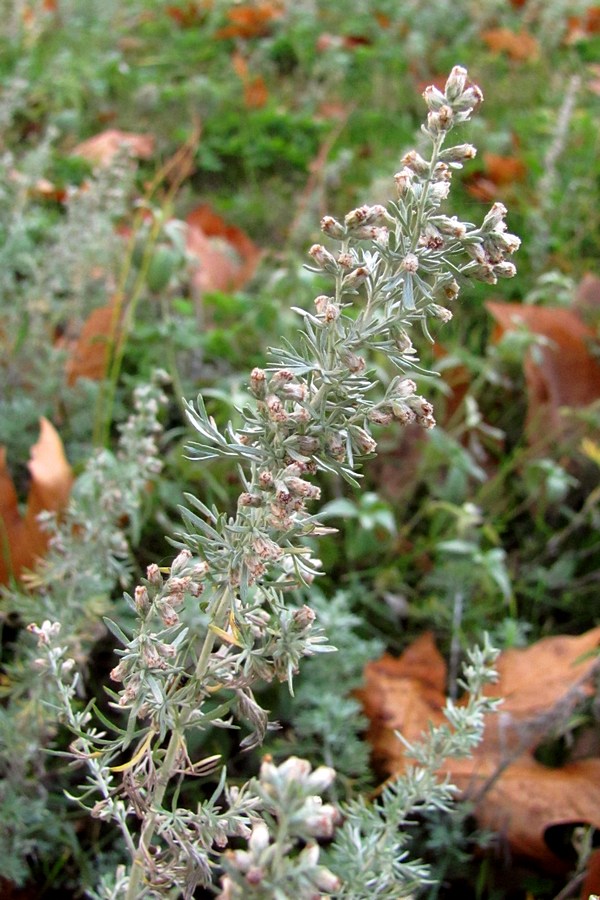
225	620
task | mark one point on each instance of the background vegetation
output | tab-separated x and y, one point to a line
164	170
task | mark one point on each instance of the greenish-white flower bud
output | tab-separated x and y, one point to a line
455	83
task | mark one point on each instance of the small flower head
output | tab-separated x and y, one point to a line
494	220
459	154
258	383
404	180
141	599
440	121
362	440
303	619
414	163
332	228
455	83
153	575
440	312
181	561
505	269
366	215
46	632
410	263
434	98
355	364
249	499
439	191
276	409
356	278
323	258
469	100
380	416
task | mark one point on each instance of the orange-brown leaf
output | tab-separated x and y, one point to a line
518	45
89	355
529	798
256	92
581	27
227	257
591	885
499	172
188	14
534	680
503	169
403	694
541	685
562	372
102	148
250	21
22	539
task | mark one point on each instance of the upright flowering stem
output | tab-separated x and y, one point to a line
220	621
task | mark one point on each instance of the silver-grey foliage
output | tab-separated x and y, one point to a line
222	618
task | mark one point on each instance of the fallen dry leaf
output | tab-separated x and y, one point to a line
498	172
580	28
189	14
250	21
541	686
518	45
102	148
503	169
529	798
89	354
591	885
561	372
403	694
227	257
22	540
256	92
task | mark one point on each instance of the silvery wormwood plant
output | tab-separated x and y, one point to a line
222	619
88	553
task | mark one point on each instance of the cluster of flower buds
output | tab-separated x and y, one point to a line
328	310
45	633
403	405
291	492
294	787
158	599
446	109
167	597
153	654
54	656
260	553
289	792
346	263
453	106
440	231
281	395
489	247
363	223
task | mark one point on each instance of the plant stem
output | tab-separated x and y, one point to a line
167	766
163	778
418	225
